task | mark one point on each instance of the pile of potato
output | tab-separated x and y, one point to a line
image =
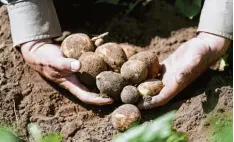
117	73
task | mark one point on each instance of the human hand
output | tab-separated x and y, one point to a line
185	65
48	60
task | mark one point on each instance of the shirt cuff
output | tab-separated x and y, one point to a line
217	18
33	20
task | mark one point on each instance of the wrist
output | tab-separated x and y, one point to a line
215	42
217	45
34	45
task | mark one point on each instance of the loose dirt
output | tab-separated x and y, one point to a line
26	97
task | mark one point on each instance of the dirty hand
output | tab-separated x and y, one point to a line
185	65
47	59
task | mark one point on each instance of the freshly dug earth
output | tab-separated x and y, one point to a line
91	65
26	97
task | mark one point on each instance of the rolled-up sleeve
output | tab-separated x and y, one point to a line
217	18
32	20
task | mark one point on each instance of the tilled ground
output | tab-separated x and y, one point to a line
26	97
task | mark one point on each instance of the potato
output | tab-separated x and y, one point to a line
151	60
125	117
99	42
91	65
134	71
76	44
129	94
110	83
128	49
150	87
113	55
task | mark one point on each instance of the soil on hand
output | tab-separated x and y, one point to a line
26	97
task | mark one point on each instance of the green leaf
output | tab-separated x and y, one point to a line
131	6
157	131
7	136
53	137
115	2
188	8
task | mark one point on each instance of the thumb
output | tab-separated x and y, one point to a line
65	64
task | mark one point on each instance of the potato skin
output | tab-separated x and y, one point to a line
134	71
113	55
76	44
110	83
128	49
129	95
91	65
125	117
151	60
150	87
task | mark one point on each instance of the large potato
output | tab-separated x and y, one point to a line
151	60
125	117
128	49
76	44
110	83
113	55
134	71
91	65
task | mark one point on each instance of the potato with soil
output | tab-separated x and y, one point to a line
128	49
134	71
91	65
129	95
125	117
113	55
151	60
150	87
110	83
76	44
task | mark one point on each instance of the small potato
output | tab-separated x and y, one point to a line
125	117
134	71
113	55
91	65
150	87
151	60
129	95
76	44
110	83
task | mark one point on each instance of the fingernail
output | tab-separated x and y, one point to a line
75	65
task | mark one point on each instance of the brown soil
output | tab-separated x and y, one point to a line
26	97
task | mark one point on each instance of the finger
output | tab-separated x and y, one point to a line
83	94
65	64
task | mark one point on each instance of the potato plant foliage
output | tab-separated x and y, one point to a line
160	130
188	8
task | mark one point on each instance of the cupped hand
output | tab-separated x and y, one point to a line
47	59
185	65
